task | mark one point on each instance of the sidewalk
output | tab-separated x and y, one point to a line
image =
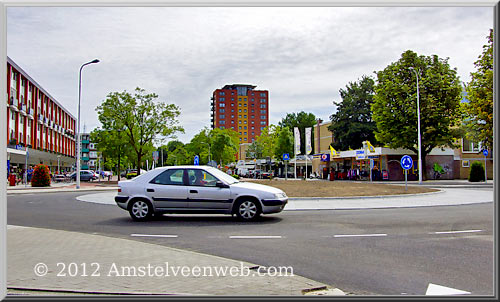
99	264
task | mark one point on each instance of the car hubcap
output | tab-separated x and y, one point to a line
140	209
248	209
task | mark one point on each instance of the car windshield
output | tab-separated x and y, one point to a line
222	176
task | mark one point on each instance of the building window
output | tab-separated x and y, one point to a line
263	123
245	127
262	117
221	99
252	116
262	128
240	133
239	122
245	104
262	105
252	111
263	94
232	128
251	100
245	138
232	110
222	122
465	163
222	127
221	93
244	110
222	105
232	122
245	116
239	116
240	139
239	110
253	128
263	111
239	128
262	100
469	146
221	110
222	116
232	104
253	122
232	115
253	133
239	104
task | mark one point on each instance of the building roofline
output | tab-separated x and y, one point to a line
25	74
229	86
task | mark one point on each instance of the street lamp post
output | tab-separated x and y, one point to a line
209	152
78	133
419	136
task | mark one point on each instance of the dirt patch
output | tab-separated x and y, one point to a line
302	188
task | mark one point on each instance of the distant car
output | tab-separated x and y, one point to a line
85	175
59	177
196	189
265	175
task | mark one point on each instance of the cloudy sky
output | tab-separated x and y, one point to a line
303	56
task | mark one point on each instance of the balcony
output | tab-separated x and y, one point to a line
85	150
30	113
40	118
46	121
23	109
85	141
13	104
85	158
84	167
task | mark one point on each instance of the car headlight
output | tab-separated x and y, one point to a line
280	195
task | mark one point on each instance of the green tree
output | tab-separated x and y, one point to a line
201	145
478	111
301	120
255	150
353	123
142	119
395	103
113	144
224	145
284	142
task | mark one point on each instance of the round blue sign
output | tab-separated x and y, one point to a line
196	160
406	162
485	152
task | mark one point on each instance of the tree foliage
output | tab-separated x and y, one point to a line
353	123
478	111
284	142
301	120
114	147
142	119
265	144
395	103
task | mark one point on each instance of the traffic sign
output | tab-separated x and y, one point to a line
286	156
196	160
406	162
155	155
485	152
325	157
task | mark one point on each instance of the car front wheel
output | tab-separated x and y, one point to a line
248	210
141	210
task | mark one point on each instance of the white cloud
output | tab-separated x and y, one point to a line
303	56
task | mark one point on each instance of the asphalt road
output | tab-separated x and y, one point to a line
402	255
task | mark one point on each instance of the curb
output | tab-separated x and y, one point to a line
365	197
57	190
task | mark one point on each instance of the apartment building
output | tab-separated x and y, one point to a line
39	129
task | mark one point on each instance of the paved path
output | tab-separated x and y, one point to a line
446	196
89	263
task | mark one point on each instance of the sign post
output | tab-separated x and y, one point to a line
485	153
286	158
371	168
406	164
196	160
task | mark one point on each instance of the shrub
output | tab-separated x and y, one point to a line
236	176
476	172
41	176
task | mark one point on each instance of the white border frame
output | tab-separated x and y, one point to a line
4	4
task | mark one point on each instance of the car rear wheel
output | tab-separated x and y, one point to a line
140	210
248	210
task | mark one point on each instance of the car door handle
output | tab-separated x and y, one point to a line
150	190
193	191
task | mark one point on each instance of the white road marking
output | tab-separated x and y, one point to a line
148	235
361	235
439	290
255	237
457	232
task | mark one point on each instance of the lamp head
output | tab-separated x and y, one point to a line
95	61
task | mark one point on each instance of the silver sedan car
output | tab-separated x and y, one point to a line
196	189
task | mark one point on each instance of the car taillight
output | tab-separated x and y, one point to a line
119	189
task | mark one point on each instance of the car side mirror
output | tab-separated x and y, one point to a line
220	184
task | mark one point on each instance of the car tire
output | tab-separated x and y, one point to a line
140	210
247	209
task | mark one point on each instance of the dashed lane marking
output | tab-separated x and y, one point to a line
255	237
457	232
360	235
152	235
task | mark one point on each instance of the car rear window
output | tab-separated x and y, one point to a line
170	177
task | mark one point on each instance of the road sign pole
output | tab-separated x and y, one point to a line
406	180
485	172
286	169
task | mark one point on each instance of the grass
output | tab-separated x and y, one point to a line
302	188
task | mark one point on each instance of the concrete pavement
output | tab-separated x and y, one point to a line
54	260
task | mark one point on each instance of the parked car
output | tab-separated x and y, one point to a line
85	175
265	175
59	177
196	189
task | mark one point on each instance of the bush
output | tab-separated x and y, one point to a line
236	176
41	176
476	172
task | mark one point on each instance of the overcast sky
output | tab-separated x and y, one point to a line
303	56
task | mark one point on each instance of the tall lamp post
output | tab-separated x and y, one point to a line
419	136
209	152
78	133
